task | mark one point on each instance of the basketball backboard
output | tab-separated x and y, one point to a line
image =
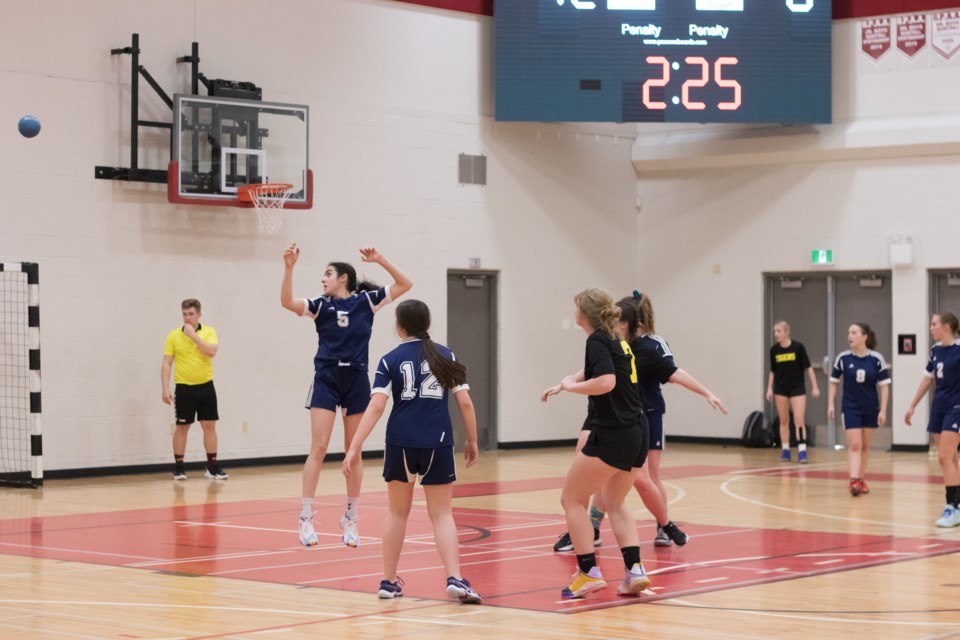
220	144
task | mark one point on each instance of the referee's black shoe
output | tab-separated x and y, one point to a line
566	544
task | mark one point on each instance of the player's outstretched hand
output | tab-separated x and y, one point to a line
370	254
716	404
470	452
552	391
291	255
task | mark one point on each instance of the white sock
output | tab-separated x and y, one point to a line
352	504
786	448
802	447
306	507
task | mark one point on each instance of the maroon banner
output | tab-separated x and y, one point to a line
911	34
479	7
945	33
845	9
875	37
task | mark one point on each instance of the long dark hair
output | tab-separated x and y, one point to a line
413	316
630	313
867	331
346	269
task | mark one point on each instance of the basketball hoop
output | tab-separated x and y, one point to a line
268	199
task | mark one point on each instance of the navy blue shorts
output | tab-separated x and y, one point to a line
335	386
655	423
860	420
941	421
434	466
195	402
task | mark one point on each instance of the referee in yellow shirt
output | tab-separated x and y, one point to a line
190	350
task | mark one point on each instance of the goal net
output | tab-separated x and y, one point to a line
20	438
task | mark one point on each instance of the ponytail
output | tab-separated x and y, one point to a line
597	307
413	316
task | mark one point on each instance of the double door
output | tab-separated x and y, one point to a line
820	308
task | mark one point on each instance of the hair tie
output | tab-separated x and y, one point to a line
637	295
423	335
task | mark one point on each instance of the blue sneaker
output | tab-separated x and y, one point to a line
389	590
460	589
785	455
802	457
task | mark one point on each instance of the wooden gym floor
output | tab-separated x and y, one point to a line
776	551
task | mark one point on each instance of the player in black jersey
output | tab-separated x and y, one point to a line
615	448
788	363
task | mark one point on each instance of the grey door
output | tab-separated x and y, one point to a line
472	335
801	300
866	298
944	296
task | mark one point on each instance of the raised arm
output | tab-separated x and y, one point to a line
401	283
369	420
687	381
287	301
208	349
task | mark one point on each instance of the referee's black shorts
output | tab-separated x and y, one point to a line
195	402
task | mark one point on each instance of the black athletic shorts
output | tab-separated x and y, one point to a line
790	392
195	402
622	448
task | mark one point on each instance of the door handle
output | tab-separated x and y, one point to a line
825	366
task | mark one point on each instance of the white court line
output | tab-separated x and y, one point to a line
157	605
723	579
861	553
931	546
78	551
818	618
440	566
829	561
781	469
725	488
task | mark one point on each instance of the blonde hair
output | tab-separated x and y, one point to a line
784	324
597	306
647	316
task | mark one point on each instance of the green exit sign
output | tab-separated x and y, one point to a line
822	256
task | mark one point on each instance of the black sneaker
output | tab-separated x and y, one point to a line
673	532
216	473
179	473
662	539
566	544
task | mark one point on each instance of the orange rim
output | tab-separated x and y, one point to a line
247	192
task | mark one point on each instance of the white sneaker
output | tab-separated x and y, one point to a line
950	517
308	537
351	535
634	582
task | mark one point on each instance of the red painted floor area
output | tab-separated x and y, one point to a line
508	556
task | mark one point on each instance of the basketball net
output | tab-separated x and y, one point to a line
268	199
